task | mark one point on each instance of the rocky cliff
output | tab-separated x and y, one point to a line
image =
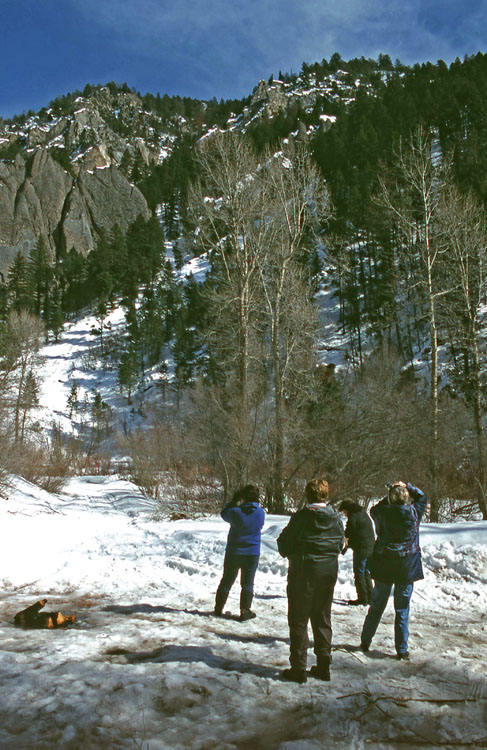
38	197
66	182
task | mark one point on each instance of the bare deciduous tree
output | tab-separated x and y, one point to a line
296	204
464	236
20	343
411	192
256	216
227	208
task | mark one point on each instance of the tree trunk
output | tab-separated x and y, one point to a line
18	401
479	433
434	500
278	452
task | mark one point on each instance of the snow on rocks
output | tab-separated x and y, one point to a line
146	665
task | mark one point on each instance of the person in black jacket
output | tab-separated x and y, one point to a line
312	541
360	537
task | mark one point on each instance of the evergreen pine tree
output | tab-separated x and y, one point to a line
40	274
19	289
29	399
55	316
73	399
127	371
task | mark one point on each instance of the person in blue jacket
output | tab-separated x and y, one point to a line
395	561
246	519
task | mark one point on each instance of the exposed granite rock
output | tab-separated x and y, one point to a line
32	199
99	200
272	95
38	197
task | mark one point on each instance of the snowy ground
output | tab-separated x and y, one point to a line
147	666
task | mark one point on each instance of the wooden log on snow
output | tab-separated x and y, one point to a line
32	617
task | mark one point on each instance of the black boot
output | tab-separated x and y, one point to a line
220	601
294	675
322	669
369	584
361	587
245	604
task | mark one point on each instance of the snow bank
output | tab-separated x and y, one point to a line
147	666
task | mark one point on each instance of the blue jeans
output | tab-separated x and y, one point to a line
359	564
380	596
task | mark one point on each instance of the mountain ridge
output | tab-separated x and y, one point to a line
112	127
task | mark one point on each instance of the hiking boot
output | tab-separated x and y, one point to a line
322	669
361	588
295	675
321	672
355	602
245	604
220	601
364	648
403	656
246	614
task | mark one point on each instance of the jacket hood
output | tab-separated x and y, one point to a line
396	509
321	508
322	514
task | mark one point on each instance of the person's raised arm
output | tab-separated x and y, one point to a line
419	499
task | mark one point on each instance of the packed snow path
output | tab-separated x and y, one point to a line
147	666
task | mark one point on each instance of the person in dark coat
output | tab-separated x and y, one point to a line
395	561
311	541
246	519
359	537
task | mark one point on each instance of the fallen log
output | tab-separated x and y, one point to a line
32	617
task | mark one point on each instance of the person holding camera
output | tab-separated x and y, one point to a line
360	538
246	519
395	561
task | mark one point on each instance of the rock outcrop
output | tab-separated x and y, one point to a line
38	197
99	200
271	95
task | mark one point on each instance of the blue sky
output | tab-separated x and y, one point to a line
206	48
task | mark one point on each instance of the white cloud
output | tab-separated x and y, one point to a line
309	26
250	39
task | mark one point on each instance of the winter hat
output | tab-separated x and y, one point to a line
249	493
316	491
399	495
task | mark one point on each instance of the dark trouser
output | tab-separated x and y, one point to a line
363	581
310	594
247	564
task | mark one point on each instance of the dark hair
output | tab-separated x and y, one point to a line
349	506
249	493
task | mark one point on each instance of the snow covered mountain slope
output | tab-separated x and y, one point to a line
147	666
